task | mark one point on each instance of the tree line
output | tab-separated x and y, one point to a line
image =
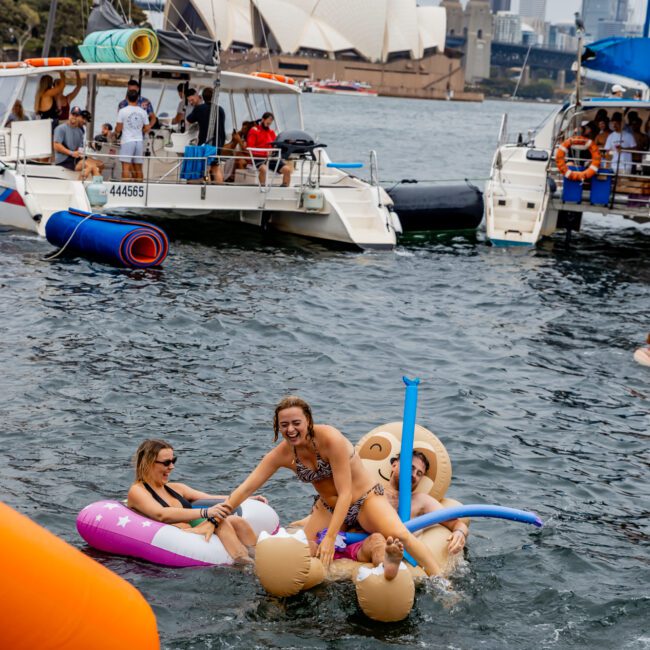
24	22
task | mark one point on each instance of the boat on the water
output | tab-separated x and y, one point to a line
336	87
323	201
546	180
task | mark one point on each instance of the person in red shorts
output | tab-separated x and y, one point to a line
258	140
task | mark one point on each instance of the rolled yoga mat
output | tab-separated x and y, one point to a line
120	46
121	242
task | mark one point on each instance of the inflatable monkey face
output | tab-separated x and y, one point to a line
378	446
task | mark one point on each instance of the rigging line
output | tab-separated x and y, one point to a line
523	69
268	51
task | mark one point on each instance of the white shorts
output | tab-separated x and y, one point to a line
131	152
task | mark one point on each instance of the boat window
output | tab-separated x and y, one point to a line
9	88
287	111
259	104
238	103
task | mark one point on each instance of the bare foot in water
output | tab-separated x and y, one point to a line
393	558
243	560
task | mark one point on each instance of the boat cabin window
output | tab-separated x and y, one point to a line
9	91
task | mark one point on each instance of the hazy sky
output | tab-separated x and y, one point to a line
561	11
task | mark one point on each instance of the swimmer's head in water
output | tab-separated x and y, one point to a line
146	455
292	401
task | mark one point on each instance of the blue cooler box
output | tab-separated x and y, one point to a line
572	190
601	187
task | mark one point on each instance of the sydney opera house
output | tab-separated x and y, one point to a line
395	45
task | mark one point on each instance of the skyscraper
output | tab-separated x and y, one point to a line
499	5
533	8
599	15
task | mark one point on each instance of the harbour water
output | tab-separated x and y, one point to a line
527	377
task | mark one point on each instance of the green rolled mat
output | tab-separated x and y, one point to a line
120	46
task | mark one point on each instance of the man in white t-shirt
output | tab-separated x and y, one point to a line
618	140
132	124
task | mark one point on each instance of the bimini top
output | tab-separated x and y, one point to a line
625	57
230	81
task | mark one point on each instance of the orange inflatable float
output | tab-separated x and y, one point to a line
54	596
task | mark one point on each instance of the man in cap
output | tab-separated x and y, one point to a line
69	140
142	102
618	90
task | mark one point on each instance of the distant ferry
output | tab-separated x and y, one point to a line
334	87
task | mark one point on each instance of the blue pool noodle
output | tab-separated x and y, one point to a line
406	450
107	239
446	514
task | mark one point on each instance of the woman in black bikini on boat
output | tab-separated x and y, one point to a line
153	496
347	495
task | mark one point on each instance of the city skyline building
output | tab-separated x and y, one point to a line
604	18
533	9
499	5
506	27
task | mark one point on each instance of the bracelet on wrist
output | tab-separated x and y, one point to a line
462	532
213	521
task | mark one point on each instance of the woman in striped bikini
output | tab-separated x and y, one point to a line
347	495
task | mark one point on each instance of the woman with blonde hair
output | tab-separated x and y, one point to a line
45	101
153	496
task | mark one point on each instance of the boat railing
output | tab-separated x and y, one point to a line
621	187
374	175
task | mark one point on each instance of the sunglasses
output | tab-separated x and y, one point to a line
167	462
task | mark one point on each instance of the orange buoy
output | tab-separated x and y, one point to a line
54	596
51	61
275	77
7	65
562	150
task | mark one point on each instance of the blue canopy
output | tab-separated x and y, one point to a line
627	57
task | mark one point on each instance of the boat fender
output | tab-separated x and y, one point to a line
97	192
283	563
384	600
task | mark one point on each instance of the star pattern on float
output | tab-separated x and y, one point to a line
123	521
110	506
99	517
146	524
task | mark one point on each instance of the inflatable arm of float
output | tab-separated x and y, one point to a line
406	450
446	514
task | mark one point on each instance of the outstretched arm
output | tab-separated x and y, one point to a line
71	95
268	466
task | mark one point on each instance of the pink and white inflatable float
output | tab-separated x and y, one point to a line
112	527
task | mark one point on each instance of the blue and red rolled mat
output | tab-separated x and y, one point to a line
117	241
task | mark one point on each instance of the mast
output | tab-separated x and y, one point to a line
646	26
49	30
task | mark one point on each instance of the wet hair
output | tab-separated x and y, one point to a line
416	454
207	94
146	455
132	95
289	402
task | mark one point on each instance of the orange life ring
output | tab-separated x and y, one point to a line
51	61
562	150
276	77
12	64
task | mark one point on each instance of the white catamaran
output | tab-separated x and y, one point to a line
323	201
